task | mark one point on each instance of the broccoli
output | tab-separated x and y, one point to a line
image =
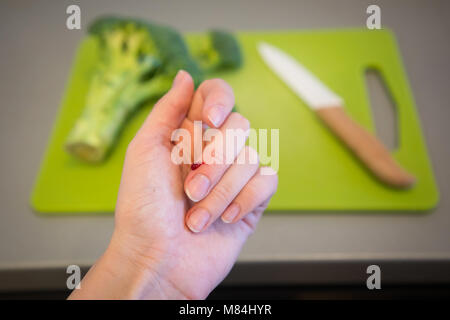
218	50
137	62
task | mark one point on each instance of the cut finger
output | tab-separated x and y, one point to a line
199	182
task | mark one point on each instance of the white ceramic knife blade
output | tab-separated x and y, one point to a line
328	107
305	84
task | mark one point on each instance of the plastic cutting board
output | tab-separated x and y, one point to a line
316	171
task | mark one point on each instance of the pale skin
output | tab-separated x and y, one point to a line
179	231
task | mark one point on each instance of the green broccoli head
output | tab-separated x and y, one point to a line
137	40
219	50
137	62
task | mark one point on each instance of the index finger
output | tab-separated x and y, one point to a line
212	102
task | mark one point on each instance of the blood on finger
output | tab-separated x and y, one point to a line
195	166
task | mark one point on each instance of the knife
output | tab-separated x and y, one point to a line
328	106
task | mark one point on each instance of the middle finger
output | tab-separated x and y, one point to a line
199	182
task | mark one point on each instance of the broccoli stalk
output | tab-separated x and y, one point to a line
218	50
138	62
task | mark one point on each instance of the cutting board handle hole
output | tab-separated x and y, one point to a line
384	110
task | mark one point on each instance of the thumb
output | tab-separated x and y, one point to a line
169	112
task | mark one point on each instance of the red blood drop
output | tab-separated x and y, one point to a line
195	166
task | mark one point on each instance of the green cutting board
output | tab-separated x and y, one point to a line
316	172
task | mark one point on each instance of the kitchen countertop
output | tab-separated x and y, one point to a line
36	53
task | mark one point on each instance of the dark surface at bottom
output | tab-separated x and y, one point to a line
285	292
329	274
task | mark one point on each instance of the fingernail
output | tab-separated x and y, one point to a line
198	187
178	78
231	213
198	220
215	115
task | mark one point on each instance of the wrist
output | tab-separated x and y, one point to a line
132	279
114	276
125	273
143	267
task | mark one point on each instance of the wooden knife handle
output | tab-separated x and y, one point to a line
366	147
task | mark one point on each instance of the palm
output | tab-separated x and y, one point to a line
158	208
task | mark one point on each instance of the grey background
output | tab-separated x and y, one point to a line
36	52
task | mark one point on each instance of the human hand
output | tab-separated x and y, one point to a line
167	244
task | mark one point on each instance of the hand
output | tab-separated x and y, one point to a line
166	244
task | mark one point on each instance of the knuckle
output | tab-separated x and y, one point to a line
252	192
222	193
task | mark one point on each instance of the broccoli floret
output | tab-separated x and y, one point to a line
137	62
218	50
